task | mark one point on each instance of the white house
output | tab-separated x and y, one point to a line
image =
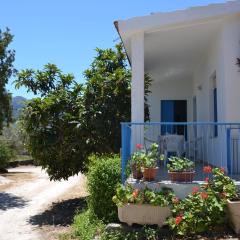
191	56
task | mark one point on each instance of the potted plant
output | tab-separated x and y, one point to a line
143	206
137	160
181	169
150	163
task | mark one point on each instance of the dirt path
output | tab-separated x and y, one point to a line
29	193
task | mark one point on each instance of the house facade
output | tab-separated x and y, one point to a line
191	57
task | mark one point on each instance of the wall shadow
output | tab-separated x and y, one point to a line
60	213
8	200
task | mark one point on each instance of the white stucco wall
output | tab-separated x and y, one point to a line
208	65
230	50
219	57
172	89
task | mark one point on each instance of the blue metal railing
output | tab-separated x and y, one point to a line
201	143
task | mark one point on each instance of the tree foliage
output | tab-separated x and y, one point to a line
69	121
51	122
7	57
107	98
6	153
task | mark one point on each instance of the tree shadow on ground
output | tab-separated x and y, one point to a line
60	213
8	200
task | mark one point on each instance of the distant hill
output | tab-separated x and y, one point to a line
17	104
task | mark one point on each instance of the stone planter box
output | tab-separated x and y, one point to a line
181	176
143	214
234	214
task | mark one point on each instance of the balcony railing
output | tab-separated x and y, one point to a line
205	143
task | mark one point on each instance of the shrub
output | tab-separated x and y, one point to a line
5	155
205	208
144	233
86	227
103	176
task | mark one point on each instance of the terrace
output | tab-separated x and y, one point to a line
214	144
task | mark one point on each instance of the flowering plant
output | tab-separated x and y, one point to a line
152	156
205	207
127	194
138	157
177	164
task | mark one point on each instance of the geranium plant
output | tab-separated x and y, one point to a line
181	169
150	163
127	194
177	164
138	157
205	207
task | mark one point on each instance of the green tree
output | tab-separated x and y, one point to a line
6	154
54	135
107	98
70	121
7	57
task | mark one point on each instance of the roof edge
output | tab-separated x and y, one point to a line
116	24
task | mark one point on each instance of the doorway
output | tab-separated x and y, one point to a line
174	111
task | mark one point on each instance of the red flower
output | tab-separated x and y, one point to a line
178	219
175	200
195	190
204	195
135	193
207	169
139	146
206	179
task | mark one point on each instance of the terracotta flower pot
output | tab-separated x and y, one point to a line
143	214
137	173
234	214
149	174
181	176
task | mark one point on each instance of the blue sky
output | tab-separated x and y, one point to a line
67	32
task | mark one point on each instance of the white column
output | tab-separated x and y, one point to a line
137	60
137	91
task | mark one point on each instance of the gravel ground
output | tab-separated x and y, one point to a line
26	198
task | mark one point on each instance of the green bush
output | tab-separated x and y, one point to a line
6	154
144	233
103	176
86	227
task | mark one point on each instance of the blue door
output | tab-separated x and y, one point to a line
174	111
167	115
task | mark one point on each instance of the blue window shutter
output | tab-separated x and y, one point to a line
167	115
